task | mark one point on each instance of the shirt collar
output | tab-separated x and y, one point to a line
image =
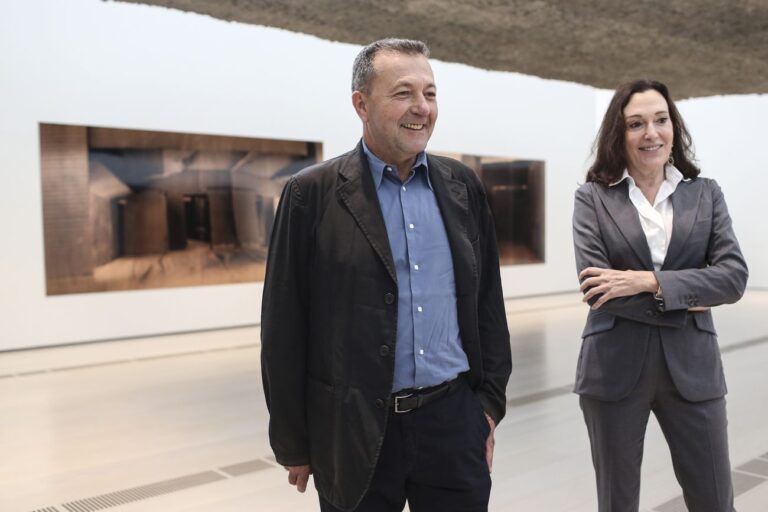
671	175
378	166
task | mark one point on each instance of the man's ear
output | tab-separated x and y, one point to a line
359	101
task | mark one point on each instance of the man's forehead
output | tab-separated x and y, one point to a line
399	68
390	59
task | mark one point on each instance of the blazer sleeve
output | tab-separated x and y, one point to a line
284	328
492	318
722	280
590	250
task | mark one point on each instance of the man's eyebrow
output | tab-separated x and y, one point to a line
409	83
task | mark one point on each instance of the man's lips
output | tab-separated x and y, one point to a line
413	126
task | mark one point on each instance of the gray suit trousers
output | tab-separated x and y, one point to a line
696	433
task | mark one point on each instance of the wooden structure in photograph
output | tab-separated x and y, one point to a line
516	196
128	209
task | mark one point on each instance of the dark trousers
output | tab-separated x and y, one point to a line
696	433
433	457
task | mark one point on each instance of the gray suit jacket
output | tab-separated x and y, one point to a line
703	267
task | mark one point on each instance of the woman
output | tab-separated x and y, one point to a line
654	251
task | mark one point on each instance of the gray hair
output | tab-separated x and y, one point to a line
362	69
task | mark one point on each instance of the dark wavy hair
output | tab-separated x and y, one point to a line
610	155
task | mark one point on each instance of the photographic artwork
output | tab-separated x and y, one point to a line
515	190
135	209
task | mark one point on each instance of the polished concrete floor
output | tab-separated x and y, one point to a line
178	423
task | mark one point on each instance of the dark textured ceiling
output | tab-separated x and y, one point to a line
698	47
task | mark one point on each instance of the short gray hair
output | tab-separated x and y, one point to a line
362	69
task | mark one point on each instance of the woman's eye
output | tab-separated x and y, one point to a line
635	125
662	120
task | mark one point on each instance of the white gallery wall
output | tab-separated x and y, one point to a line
730	136
94	63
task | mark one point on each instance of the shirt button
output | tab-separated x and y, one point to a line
411	226
384	350
419	309
421	351
403	189
415	267
379	403
389	298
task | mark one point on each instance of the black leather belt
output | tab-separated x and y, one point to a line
407	400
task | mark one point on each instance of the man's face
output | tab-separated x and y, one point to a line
400	109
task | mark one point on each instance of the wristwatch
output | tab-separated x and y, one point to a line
659	299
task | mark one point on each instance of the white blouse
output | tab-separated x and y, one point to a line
655	219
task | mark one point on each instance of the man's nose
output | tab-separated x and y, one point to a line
420	105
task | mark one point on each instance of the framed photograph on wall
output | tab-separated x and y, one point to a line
515	190
136	209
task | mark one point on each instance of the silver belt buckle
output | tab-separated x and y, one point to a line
397	404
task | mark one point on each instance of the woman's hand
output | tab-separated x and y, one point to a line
615	283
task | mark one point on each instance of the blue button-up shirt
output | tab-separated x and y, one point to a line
428	349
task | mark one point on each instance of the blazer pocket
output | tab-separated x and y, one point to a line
704	321
598	321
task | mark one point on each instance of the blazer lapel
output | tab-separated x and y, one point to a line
624	214
358	192
453	201
685	201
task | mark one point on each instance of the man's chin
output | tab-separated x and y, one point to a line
415	147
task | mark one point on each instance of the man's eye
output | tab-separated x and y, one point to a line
402	94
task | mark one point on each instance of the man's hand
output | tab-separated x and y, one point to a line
614	283
489	443
298	476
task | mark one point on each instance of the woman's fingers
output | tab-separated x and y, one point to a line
590	271
602	300
596	290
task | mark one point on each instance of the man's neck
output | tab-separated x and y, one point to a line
403	167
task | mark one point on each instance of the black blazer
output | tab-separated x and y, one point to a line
703	267
329	316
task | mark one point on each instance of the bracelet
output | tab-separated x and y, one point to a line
659	299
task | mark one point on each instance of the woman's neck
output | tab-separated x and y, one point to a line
648	181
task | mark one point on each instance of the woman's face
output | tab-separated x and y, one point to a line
649	135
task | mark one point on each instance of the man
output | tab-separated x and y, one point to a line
385	349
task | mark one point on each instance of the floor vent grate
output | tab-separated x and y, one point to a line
116	498
47	509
